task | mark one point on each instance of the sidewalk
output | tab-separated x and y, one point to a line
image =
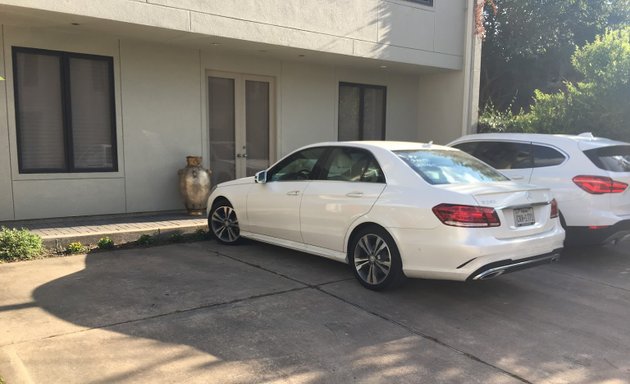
120	228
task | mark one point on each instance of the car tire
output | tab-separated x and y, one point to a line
223	223
375	259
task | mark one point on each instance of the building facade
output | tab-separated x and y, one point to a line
103	99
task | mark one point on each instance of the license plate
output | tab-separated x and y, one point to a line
524	217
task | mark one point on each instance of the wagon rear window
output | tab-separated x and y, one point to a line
614	159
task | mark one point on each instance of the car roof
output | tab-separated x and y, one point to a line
384	144
584	141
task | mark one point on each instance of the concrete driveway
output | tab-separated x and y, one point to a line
206	313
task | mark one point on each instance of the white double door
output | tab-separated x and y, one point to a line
241	124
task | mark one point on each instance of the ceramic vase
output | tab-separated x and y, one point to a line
194	185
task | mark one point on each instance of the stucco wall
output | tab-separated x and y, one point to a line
161	91
307	116
161	116
440	107
307	96
396	30
6	190
52	195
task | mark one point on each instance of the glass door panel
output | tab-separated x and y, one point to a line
221	116
257	121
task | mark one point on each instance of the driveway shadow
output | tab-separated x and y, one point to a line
231	321
260	313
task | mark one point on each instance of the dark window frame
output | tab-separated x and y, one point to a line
428	3
66	109
362	88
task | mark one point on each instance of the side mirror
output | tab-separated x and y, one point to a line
261	177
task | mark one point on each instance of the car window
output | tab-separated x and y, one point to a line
500	154
546	156
614	158
352	164
299	166
449	167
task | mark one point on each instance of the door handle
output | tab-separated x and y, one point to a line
241	155
355	194
517	177
293	193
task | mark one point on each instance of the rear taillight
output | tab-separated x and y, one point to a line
598	185
554	209
466	215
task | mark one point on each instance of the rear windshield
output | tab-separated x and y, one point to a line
449	167
614	159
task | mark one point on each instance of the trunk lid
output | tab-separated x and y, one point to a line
524	209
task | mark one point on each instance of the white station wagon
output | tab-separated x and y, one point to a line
589	176
392	210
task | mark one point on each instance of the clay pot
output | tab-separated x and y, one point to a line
194	185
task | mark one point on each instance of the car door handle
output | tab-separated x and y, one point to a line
355	194
293	193
517	177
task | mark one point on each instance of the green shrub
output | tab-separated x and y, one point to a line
492	119
145	240
75	247
105	243
201	234
177	237
597	104
19	244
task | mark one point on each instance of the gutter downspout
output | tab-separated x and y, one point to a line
472	72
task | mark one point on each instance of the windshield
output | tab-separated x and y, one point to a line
613	159
449	167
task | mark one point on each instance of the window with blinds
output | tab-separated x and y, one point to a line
65	116
361	112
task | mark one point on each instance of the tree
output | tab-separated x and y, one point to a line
529	43
599	103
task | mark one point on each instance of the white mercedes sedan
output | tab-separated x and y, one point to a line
392	210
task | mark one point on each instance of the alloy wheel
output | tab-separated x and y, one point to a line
372	259
224	224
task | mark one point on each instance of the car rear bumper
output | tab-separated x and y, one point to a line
506	266
454	256
598	234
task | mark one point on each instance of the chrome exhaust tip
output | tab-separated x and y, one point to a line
491	274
